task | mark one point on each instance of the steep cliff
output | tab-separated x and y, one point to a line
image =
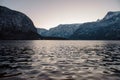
16	25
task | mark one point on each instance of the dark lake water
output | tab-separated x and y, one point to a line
59	60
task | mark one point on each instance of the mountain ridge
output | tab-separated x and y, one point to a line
62	30
105	29
89	30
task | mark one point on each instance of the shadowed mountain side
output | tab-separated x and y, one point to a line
53	38
16	25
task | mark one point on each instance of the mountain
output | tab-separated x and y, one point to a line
16	25
106	29
42	31
61	31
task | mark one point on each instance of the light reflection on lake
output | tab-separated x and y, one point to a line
59	60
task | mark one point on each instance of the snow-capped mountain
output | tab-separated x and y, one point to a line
16	25
62	30
106	29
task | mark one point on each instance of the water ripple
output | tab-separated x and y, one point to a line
59	60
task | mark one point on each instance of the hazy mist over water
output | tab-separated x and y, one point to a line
59	60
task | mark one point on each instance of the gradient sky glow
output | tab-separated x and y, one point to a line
50	13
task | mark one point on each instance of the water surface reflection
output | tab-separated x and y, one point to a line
60	60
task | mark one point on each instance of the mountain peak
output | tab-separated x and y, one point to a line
110	14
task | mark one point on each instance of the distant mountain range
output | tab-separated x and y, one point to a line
107	28
15	25
63	31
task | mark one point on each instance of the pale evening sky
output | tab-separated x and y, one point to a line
50	13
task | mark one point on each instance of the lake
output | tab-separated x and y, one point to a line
59	60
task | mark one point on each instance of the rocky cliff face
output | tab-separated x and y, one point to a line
16	25
106	29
